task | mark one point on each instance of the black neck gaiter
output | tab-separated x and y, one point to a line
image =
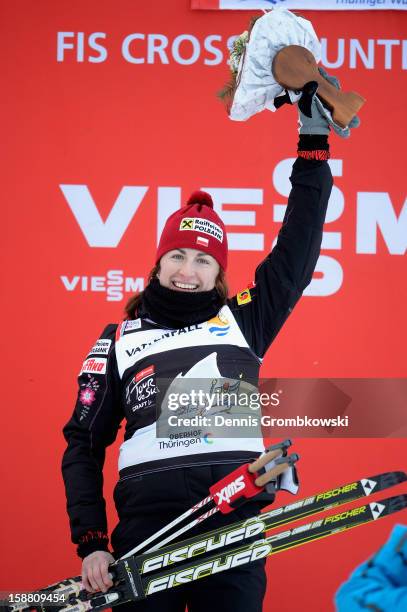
179	308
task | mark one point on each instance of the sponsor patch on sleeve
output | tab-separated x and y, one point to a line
127	326
244	297
133	324
94	365
101	347
119	330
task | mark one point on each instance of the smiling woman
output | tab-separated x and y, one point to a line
188	270
183	329
182	268
134	302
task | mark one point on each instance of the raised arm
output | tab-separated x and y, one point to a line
282	277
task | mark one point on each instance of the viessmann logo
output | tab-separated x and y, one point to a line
375	217
113	284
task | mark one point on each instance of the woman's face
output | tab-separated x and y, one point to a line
188	270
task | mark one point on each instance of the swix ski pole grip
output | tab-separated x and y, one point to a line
241	484
235	486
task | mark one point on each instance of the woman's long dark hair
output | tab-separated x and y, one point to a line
133	303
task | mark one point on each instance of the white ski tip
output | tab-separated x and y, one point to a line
376	509
368	485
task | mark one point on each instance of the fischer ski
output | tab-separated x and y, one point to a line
254	526
279	542
300	509
137	577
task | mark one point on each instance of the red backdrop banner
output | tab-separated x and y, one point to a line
110	121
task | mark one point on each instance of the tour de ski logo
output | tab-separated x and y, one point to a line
141	390
87	395
219	325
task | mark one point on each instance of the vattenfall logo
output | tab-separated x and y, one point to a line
375	213
219	325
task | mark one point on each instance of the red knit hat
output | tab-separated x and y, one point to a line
196	226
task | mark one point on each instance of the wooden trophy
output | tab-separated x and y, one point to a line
294	66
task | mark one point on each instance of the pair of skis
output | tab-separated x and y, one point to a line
137	576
